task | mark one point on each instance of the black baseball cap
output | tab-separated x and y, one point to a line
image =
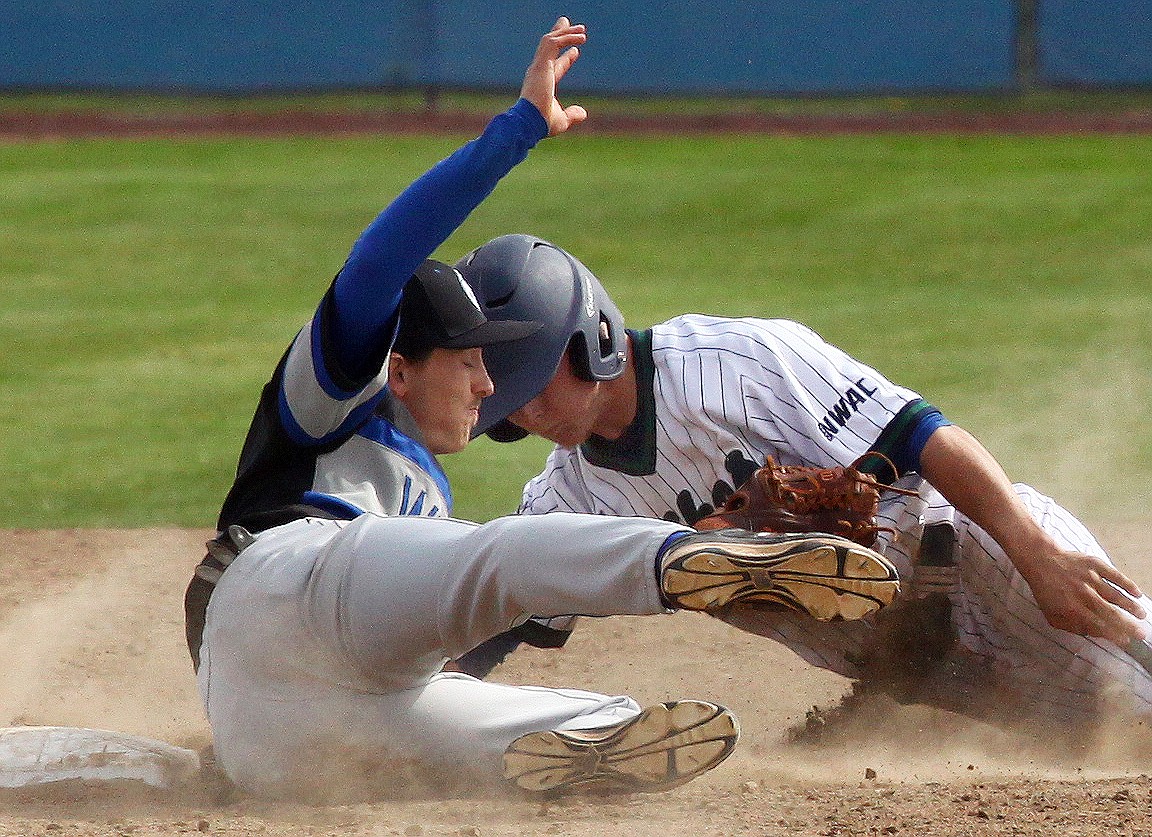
439	310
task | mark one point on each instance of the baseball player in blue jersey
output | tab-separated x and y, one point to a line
1009	607
338	585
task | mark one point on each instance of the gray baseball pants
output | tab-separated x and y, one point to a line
324	642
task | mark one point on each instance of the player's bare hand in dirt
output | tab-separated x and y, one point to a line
1086	595
557	52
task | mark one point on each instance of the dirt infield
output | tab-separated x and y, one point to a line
27	125
91	635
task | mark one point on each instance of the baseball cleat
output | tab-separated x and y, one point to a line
825	576
664	746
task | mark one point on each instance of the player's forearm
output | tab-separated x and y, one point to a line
421	218
971	479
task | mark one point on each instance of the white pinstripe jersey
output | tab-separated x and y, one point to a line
718	396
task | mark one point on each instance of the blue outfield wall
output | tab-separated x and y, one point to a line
209	45
822	46
1095	42
779	47
819	46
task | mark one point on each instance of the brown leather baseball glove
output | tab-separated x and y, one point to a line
798	498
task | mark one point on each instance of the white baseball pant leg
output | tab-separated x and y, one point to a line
1054	674
324	641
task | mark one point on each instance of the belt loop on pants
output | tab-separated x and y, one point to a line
222	551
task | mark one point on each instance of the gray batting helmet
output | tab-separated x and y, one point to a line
523	278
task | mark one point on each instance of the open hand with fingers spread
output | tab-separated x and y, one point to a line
1086	595
557	52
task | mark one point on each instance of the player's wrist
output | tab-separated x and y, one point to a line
1031	553
534	121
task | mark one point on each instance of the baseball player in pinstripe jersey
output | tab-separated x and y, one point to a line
338	585
1009	607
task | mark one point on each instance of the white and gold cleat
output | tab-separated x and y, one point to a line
664	746
825	576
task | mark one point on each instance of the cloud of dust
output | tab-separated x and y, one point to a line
889	742
1083	438
37	636
106	649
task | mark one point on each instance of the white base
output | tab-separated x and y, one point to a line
31	756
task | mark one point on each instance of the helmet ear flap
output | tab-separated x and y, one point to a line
581	353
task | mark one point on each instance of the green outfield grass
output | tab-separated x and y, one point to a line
150	287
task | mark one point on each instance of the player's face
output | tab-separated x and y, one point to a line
443	393
566	412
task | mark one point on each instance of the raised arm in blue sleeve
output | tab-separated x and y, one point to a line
367	290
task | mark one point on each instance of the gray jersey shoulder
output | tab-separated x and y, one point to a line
365	447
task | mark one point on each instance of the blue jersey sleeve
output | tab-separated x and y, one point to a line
367	290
